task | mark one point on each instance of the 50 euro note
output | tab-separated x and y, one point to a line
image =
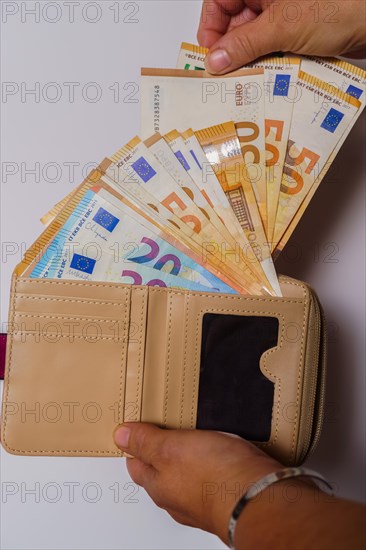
222	148
84	247
321	117
173	98
237	239
150	189
202	172
280	76
191	57
351	80
172	154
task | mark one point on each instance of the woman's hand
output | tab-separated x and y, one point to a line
239	31
197	476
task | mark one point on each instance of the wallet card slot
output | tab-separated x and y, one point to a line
165	348
234	395
66	326
155	357
136	354
176	311
72	390
61	305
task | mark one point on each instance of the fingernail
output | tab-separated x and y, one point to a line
217	61
122	436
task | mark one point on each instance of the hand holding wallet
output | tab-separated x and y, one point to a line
83	357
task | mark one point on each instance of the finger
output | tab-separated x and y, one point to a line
215	19
243	44
141	440
141	473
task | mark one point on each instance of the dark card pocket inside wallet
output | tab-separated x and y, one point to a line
234	395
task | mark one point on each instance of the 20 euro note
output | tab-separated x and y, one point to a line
121	174
351	80
83	248
221	146
180	99
104	267
320	119
132	237
280	76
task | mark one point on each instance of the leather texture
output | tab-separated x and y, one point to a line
83	357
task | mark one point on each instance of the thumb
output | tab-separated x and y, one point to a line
140	440
243	44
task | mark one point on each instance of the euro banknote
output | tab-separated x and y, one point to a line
319	121
280	76
178	99
102	233
162	206
222	148
226	165
183	165
204	174
351	80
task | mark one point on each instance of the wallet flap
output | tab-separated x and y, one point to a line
66	364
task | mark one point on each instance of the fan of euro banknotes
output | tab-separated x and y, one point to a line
211	191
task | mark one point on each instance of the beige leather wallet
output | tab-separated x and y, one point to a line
83	357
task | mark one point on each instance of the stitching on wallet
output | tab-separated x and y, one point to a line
296	422
228	297
68	283
122	385
166	389
63	451
185	358
36	315
141	340
195	374
70	337
69	300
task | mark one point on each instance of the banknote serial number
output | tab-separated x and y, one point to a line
156	99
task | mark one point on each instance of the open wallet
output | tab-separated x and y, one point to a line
83	357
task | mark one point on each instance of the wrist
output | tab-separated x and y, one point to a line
284	503
220	498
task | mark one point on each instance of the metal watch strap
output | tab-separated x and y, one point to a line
262	484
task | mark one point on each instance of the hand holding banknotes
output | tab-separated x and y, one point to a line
197	477
239	31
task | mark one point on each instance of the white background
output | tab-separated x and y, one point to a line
327	250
